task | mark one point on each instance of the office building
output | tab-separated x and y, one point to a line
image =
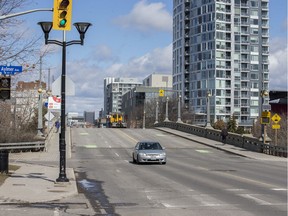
89	117
221	47
114	88
158	80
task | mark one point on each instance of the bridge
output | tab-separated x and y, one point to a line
241	141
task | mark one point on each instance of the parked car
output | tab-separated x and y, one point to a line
149	152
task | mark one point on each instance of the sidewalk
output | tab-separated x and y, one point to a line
35	180
219	145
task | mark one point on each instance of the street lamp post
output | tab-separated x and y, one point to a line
40	116
157	111
264	94
82	28
208	124
166	114
179	109
40	103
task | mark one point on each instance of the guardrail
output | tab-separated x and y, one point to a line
242	141
23	146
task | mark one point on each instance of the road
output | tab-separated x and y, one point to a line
197	180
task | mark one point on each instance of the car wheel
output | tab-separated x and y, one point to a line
163	163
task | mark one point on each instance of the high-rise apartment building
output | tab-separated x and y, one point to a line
221	47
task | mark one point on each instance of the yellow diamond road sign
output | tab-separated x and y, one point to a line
161	93
276	118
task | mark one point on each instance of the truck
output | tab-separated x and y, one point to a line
116	120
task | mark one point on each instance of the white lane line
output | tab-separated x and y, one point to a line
279	189
84	134
160	135
90	146
203	151
110	146
117	154
257	200
234	189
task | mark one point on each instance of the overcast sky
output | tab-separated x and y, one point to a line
130	38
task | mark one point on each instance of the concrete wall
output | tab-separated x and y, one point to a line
242	141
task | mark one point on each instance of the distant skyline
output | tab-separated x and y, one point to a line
130	40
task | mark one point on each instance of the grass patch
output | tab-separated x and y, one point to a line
4	176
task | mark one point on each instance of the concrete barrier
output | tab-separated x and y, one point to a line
242	141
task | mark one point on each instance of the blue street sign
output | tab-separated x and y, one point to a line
10	70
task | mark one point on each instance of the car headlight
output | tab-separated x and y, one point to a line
142	154
163	154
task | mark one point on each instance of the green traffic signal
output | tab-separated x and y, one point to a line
63	22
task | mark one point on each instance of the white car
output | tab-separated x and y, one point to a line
149	152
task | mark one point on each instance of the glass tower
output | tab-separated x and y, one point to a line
221	47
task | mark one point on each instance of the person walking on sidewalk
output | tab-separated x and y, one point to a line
224	134
57	125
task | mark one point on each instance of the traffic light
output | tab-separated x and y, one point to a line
5	87
265	120
62	15
265	117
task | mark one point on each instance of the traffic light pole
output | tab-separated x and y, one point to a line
62	138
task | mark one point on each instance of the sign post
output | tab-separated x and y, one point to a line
276	118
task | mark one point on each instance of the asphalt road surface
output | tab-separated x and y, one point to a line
197	180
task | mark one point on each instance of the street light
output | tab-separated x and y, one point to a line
157	111
40	103
82	27
179	109
166	114
208	124
264	94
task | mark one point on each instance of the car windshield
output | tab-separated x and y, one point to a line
150	146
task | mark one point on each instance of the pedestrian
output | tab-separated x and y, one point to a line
224	134
57	125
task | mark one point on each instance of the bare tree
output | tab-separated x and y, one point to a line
16	44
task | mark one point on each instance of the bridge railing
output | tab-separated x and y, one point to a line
242	141
23	146
29	146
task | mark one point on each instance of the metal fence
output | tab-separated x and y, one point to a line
23	146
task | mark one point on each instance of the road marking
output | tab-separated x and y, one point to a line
84	134
257	200
90	146
235	189
117	154
203	151
279	189
160	135
134	140
239	178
